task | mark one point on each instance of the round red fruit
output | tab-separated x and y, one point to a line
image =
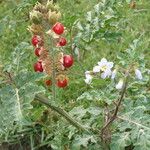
58	28
67	61
37	40
48	82
62	42
38	67
62	83
38	51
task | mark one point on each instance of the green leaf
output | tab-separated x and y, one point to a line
90	95
15	101
10	108
143	141
120	141
83	141
89	16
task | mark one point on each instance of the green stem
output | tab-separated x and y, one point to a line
62	112
53	75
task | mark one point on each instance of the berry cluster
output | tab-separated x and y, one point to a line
46	63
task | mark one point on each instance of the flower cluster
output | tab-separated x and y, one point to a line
43	18
104	69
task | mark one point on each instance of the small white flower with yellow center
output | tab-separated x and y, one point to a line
138	74
88	77
119	86
105	67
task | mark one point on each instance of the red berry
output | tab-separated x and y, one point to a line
38	51
37	40
38	67
67	61
62	83
62	42
48	82
58	28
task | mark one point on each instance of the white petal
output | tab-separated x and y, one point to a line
87	72
106	73
138	74
113	75
110	64
96	69
103	60
119	86
103	75
88	80
88	76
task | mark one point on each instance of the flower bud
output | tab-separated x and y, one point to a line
36	17
119	86
88	77
51	6
36	29
40	8
53	17
138	74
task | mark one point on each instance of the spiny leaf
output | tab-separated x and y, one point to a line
15	101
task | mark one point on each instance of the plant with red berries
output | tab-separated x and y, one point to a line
48	40
54	64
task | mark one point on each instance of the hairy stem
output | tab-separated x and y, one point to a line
52	52
117	106
62	112
105	132
53	78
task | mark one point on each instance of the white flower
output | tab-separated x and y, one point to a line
96	69
138	74
119	86
104	64
106	73
105	67
113	75
148	71
88	77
